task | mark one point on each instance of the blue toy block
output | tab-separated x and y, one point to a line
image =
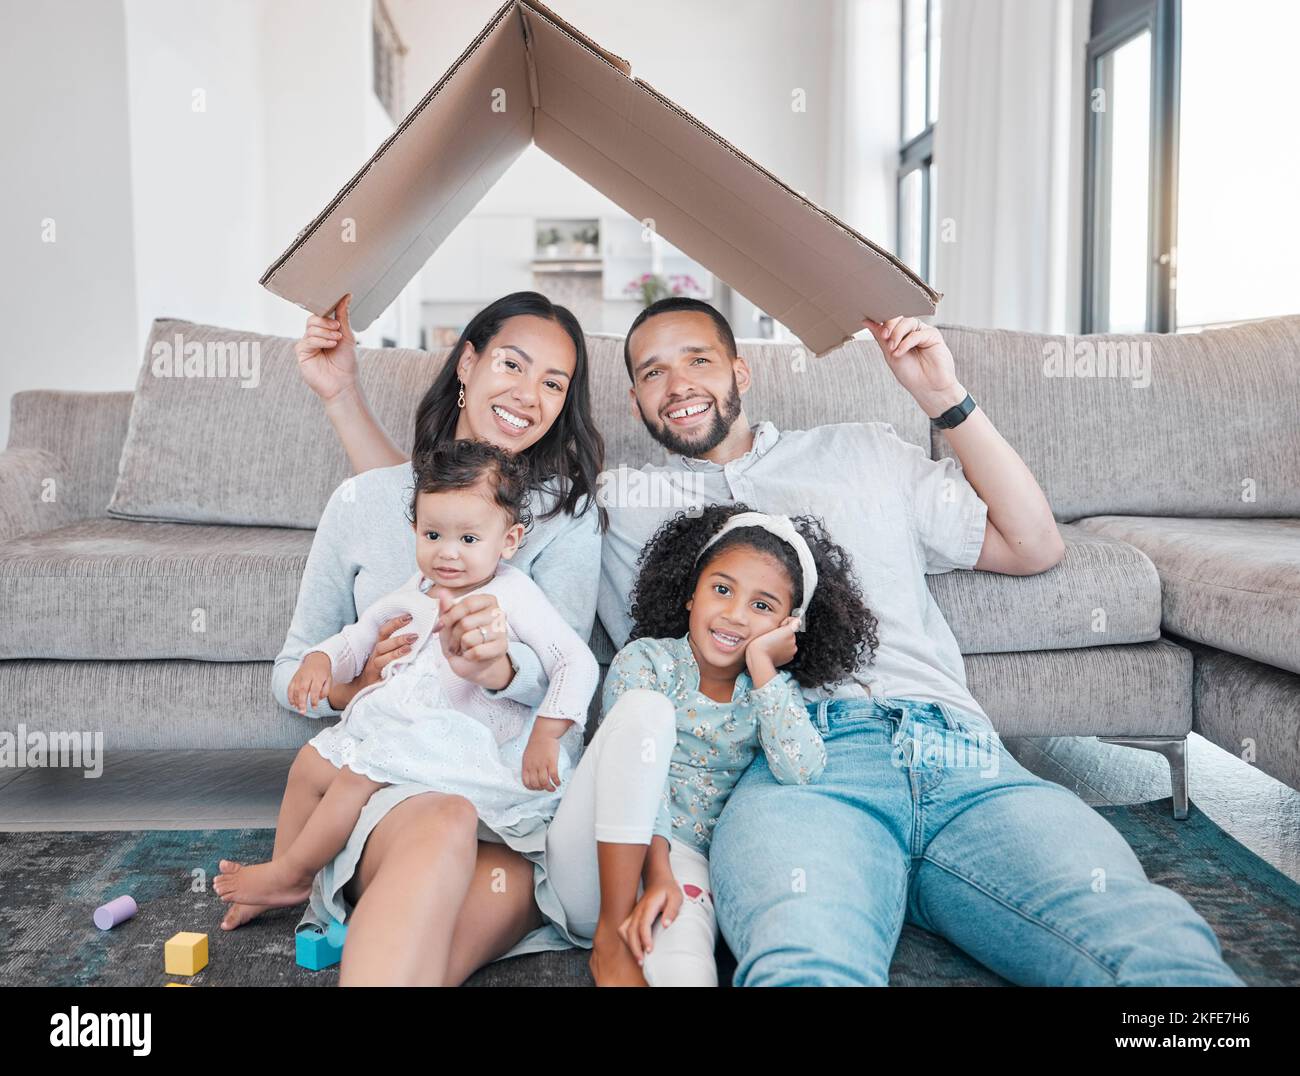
319	949
337	933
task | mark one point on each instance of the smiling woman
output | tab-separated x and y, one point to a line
422	897
518	378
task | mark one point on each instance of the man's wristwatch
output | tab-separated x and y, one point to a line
955	415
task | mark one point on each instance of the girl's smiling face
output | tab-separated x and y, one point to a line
741	594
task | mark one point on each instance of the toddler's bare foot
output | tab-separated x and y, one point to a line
270	885
237	914
612	962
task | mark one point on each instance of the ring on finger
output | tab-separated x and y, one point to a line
483	632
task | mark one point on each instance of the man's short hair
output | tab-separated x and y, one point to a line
676	304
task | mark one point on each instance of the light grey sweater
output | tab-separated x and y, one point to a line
365	548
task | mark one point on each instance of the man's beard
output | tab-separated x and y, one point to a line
706	440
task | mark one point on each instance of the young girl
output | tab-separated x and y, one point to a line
422	722
711	677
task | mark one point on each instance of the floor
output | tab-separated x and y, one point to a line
239	789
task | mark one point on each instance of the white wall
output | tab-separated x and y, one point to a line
162	210
290	117
68	307
161	207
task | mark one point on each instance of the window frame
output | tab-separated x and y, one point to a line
916	152
1162	20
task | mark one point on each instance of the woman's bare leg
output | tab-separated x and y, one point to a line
499	909
286	879
411	882
309	779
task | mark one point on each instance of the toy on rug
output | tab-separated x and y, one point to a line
318	949
117	910
186	953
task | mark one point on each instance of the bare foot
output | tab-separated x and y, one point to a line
268	885
239	914
612	962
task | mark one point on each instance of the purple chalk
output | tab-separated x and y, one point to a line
117	910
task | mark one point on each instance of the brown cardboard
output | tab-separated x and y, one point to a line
581	105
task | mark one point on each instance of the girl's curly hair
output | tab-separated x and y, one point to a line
839	629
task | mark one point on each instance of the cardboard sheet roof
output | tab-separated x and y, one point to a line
581	105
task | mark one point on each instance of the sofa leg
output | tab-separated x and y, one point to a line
1175	752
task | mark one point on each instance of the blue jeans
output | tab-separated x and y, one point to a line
923	816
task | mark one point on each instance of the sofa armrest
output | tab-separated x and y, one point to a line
31	492
84	432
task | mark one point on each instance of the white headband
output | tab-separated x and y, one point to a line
783	529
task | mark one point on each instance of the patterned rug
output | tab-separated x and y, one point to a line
50	883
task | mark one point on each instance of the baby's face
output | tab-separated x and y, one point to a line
460	535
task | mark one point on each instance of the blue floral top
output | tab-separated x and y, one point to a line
716	741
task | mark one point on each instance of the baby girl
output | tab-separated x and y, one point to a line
421	722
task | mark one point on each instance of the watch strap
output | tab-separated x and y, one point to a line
955	415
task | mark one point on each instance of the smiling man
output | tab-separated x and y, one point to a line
814	882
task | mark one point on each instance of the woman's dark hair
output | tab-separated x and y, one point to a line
463	465
838	627
572	451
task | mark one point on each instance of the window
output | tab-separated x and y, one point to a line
1238	162
387	51
919	105
1192	160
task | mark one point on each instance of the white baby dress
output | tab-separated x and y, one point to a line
425	725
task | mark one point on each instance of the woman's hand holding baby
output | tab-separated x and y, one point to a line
311	683
768	652
474	638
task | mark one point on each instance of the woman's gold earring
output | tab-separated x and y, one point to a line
460	400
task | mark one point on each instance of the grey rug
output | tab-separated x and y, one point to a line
50	883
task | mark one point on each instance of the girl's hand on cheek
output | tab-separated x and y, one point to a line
777	646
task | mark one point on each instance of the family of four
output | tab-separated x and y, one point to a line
787	751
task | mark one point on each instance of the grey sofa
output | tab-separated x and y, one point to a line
151	543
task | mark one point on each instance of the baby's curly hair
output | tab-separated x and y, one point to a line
462	465
839	629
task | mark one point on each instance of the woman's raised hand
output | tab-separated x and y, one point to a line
327	353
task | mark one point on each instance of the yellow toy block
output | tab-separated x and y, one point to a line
180	984
186	953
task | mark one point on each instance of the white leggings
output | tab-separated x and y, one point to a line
613	797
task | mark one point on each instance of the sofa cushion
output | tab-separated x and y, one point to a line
224	430
1204	425
229	433
1102	593
114	589
1229	583
1250	709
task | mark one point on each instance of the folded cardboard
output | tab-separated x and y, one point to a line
529	76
